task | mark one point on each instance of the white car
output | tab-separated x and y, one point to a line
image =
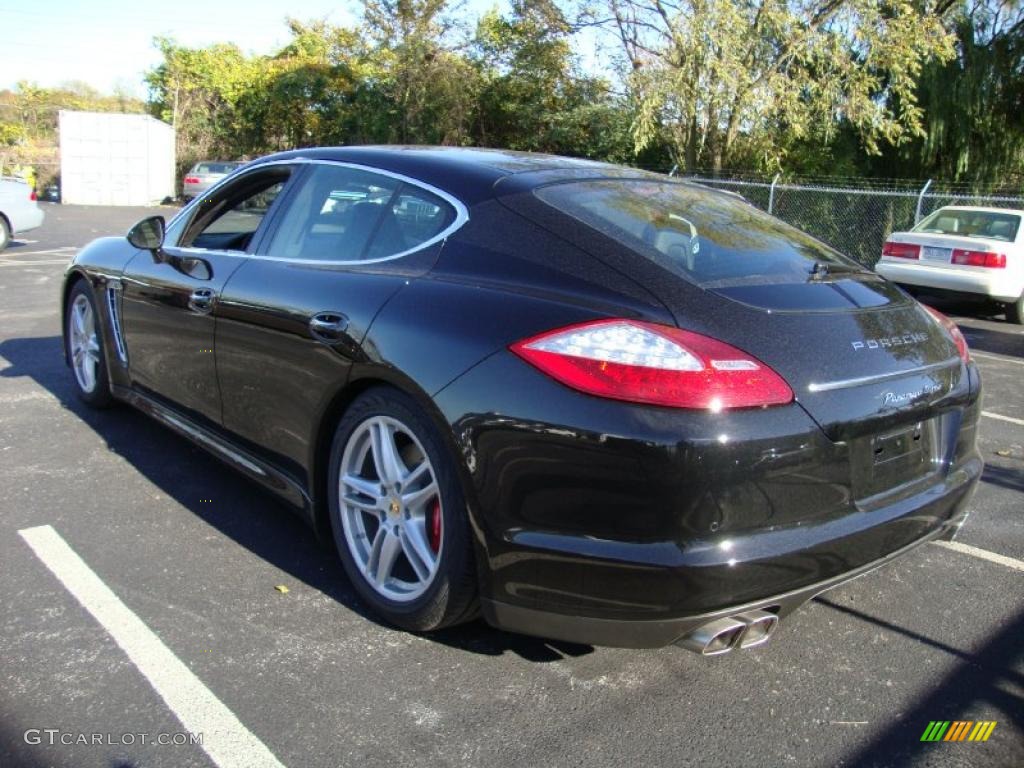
964	250
19	211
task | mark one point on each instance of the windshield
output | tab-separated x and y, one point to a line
968	223
711	238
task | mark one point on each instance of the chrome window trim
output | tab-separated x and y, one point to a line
848	383
461	213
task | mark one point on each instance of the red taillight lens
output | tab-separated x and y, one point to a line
951	327
979	258
32	196
647	363
191	180
901	250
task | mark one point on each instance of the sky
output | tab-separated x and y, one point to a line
108	43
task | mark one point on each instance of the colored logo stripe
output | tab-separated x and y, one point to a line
958	730
982	730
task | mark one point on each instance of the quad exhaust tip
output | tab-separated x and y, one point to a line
744	630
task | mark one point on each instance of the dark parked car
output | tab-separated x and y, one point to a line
588	402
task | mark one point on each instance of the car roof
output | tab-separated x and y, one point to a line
981	209
467	172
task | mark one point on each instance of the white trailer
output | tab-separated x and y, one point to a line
109	158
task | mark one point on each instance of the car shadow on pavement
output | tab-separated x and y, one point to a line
1011	479
984	681
250	516
1009	343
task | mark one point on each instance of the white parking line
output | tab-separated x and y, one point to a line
998	358
984	554
35	263
59	249
228	743
1000	417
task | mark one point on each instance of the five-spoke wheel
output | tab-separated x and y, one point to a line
398	514
391	511
84	344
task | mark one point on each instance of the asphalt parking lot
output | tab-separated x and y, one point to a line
197	554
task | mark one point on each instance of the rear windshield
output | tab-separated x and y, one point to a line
988	224
711	238
210	168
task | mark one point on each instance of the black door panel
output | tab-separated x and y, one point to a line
169	336
281	377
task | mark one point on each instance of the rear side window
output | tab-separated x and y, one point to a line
344	214
968	223
712	239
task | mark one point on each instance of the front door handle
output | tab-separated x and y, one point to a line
328	326
201	300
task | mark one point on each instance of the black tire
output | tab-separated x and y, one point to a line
99	396
1015	311
451	596
5	233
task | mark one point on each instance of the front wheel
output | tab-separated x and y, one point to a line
5	233
1015	311
398	514
84	348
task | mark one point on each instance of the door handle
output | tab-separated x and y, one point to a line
201	300
328	326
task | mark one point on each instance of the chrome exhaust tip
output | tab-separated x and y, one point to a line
714	638
760	626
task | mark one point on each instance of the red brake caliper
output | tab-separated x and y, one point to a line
434	526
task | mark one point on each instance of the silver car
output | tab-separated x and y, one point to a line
204	175
19	211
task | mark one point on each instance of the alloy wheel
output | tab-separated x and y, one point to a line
83	343
390	508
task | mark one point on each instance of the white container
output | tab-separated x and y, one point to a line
108	158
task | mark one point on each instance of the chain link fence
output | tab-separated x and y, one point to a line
853	217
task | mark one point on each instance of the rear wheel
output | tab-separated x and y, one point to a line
398	514
1015	311
84	347
5	233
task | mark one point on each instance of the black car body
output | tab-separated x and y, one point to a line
591	519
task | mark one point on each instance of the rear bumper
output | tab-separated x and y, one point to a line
994	283
944	507
31	218
626	526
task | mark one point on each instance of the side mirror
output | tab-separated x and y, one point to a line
148	234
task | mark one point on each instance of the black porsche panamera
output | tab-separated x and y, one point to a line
591	403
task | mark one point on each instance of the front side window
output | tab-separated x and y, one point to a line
968	223
343	214
712	239
228	221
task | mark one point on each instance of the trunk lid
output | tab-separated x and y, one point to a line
862	358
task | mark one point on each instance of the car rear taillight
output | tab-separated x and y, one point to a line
979	258
191	180
901	250
32	195
648	363
954	332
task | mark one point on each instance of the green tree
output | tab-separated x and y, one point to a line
712	75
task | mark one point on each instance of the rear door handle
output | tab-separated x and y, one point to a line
201	300
328	326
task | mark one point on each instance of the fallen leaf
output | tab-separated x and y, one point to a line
282	589
1004	453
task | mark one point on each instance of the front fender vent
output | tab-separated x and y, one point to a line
114	289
